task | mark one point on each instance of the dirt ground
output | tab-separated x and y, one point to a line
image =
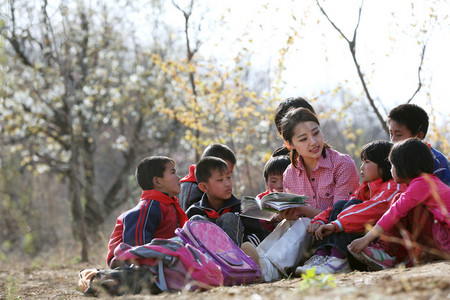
429	281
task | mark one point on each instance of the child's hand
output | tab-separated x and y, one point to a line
358	245
311	228
324	230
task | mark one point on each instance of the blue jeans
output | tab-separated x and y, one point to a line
339	240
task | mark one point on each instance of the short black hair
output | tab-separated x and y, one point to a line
412	116
378	152
149	167
276	166
285	105
207	165
411	157
221	151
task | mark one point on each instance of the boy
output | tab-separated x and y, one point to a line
158	213
273	178
189	187
218	204
410	120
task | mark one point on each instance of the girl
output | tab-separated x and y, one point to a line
317	171
422	210
336	227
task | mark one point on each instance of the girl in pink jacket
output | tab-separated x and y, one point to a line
419	216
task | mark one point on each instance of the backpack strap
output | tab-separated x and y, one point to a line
161	279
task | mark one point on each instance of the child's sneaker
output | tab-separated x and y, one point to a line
333	265
314	261
268	270
375	258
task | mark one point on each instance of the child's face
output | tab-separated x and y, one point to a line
369	171
219	185
398	132
275	183
395	176
307	140
170	182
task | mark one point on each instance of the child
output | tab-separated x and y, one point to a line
410	120
189	187
336	227
273	178
218	204
317	171
422	210
281	111
158	213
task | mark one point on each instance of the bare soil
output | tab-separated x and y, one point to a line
429	281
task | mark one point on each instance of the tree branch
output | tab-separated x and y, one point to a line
352	47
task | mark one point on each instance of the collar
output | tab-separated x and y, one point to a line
158	196
322	162
191	176
204	202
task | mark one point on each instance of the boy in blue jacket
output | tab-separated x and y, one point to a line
158	212
409	120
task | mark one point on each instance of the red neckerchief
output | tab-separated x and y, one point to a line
163	198
213	214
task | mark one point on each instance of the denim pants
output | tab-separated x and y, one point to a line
339	240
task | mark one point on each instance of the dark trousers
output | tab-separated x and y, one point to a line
339	240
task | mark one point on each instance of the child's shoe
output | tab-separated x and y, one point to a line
268	270
333	265
314	261
375	258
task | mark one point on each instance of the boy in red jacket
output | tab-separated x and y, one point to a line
158	212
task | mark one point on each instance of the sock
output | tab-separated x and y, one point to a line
336	253
321	252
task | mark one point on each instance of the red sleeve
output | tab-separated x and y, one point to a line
356	218
323	216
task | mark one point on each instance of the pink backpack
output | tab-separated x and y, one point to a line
175	266
237	267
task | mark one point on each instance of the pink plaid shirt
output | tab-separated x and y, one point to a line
334	178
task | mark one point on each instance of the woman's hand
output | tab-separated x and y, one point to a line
291	213
277	218
311	228
324	230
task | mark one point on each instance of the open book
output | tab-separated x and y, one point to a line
269	205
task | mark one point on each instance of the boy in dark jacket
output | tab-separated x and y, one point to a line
190	193
218	204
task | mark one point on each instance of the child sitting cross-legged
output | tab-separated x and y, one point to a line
419	217
158	212
346	220
218	204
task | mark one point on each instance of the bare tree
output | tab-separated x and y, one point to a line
352	47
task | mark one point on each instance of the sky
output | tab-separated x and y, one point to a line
387	47
319	60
